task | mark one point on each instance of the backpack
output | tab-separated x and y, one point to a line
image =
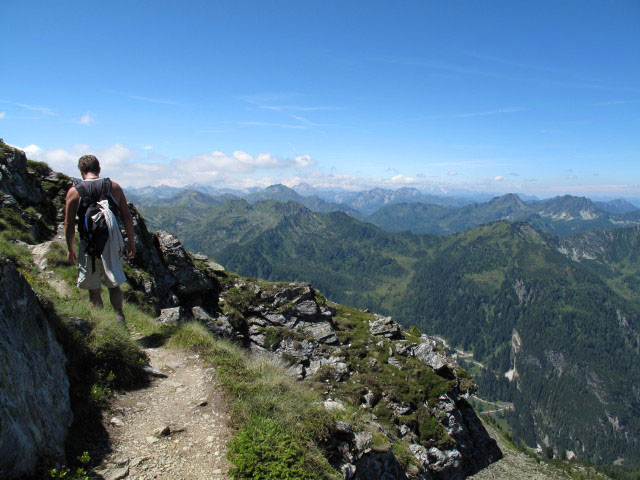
92	225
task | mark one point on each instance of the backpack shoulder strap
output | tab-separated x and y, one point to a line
106	189
82	191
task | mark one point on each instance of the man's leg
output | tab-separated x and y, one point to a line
115	296
95	298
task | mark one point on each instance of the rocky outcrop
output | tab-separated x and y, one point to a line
35	409
356	357
385	327
16	184
165	272
31	194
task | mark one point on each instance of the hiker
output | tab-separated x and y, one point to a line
93	202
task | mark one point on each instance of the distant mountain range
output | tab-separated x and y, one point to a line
554	321
563	215
404	209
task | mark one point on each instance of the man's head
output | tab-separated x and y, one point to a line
88	164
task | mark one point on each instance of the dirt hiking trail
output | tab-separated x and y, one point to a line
175	428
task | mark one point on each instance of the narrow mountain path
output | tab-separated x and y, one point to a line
176	427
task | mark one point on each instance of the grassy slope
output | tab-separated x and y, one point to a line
275	438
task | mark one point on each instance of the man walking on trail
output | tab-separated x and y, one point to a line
93	202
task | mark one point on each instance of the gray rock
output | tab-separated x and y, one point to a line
385	327
427	354
115	473
402	408
379	466
362	441
294	294
251	321
170	316
344	427
14	178
327	311
153	371
421	453
395	362
258	340
35	410
337	369
190	280
299	349
405	349
444	464
333	405
82	325
297	370
276	319
216	267
255	330
220	326
307	308
369	399
116	422
322	332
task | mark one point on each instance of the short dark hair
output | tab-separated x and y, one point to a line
89	164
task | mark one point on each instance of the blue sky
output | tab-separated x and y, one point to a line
534	97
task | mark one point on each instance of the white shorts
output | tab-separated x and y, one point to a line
91	280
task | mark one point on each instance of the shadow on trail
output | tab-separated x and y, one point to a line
155	340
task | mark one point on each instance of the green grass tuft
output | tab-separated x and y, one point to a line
263	398
264	450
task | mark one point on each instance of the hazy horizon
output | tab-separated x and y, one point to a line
538	99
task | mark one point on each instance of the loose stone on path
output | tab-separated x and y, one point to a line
175	428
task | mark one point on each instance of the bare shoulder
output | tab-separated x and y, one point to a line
116	191
115	187
72	194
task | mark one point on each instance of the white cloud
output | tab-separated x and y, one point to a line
112	159
402	179
499	178
128	168
572	177
3	114
451	174
86	119
147	147
32	150
304	161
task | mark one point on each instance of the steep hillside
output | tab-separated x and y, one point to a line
348	260
618	207
372	402
475	289
551	334
612	254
